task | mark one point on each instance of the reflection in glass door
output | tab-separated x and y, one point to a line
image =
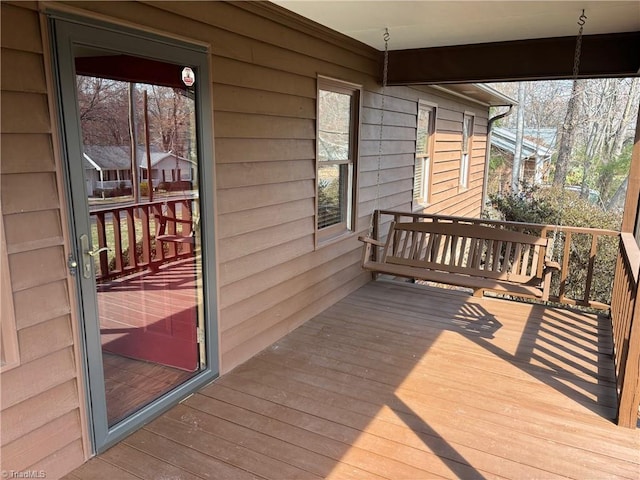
137	144
140	166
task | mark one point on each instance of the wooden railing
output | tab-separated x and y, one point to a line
120	228
587	255
625	310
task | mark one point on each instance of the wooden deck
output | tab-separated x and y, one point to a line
401	382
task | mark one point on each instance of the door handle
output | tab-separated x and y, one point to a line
95	252
88	255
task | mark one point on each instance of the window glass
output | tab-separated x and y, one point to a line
336	156
334	126
422	168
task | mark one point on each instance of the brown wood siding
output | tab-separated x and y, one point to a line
40	415
264	87
272	277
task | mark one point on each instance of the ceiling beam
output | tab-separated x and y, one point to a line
608	55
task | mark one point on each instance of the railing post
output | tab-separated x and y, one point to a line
630	385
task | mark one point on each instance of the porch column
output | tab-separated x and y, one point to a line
630	215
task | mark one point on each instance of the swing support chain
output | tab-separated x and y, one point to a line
582	20
385	70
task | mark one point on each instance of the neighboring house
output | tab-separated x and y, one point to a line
109	167
538	146
269	263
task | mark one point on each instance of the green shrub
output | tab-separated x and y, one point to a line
555	206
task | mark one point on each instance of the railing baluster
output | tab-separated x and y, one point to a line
102	243
592	261
117	240
565	265
131	234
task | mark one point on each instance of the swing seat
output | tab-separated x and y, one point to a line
473	256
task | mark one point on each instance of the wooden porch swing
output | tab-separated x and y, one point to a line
457	253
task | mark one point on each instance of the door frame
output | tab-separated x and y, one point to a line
66	31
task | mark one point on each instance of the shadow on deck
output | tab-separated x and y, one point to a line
401	381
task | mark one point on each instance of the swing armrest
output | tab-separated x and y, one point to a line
548	263
549	266
372	241
366	250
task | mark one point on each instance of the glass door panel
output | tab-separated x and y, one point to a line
140	164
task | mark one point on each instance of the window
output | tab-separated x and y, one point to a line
425	129
336	151
467	140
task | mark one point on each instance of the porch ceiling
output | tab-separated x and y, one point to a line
512	39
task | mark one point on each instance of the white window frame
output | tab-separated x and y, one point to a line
347	226
466	149
422	186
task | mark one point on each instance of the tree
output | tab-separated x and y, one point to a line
103	106
567	136
516	171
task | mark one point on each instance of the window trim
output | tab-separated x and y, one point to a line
8	329
465	165
426	180
328	234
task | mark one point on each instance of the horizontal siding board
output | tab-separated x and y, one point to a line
35	446
14	104
271	297
248	287
383	190
367	179
372	116
22	153
238	334
394	201
41	339
449	125
37	411
250	126
236	150
233	72
21	71
32	230
43	373
246	244
20	29
246	174
256	219
257	343
372	132
269	32
372	163
41	303
249	265
391	102
441	156
50	263
65	459
449	113
230	98
372	147
28	192
244	198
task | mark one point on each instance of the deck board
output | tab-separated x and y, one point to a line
400	381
